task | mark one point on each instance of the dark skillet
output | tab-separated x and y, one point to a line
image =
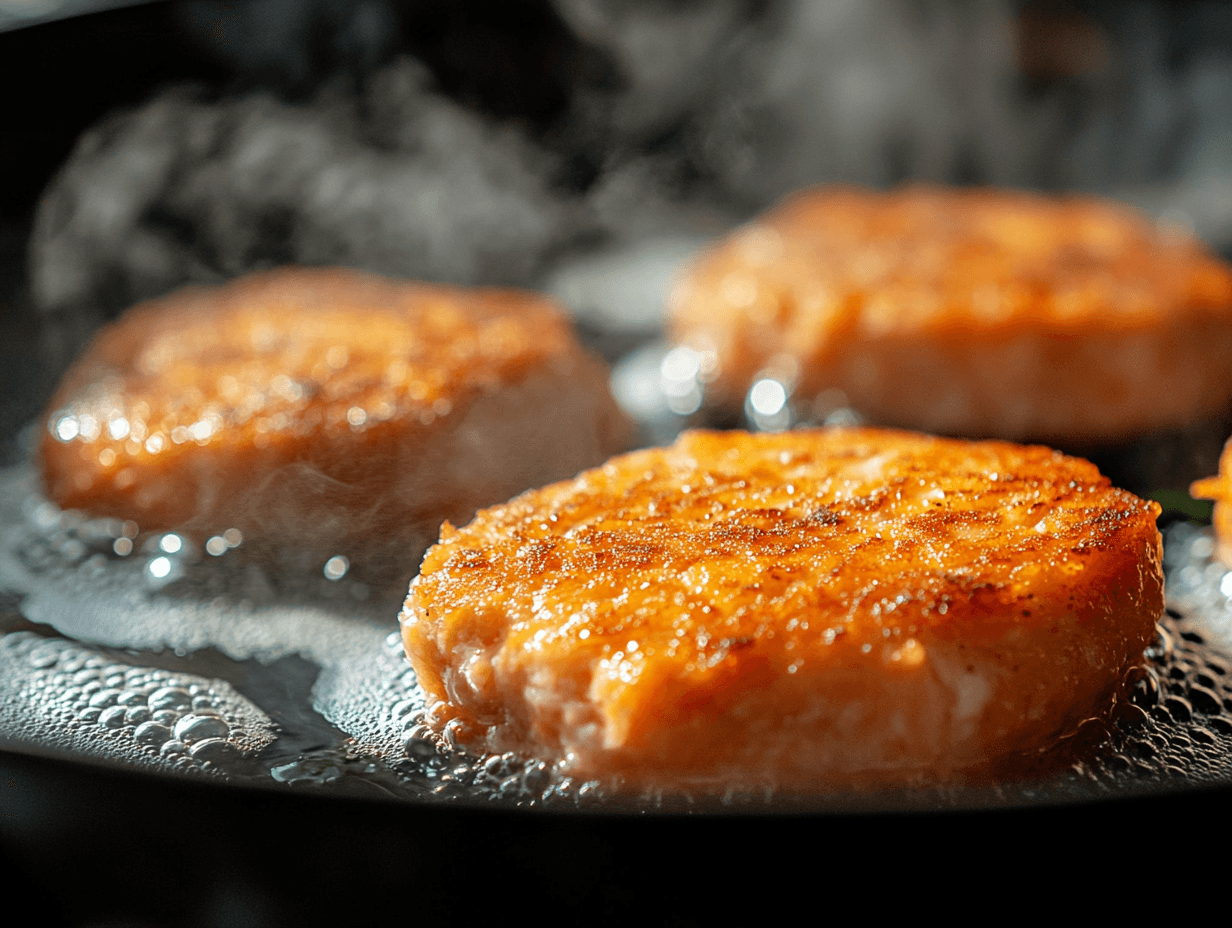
99	840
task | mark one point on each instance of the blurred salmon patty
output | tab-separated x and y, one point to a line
976	313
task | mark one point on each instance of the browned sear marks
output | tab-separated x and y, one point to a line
803	609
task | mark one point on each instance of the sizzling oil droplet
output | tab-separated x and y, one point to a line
110	708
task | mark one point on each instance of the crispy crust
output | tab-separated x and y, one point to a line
324	407
801	609
979	313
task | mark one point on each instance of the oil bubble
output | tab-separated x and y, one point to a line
104	698
152	734
112	717
136	715
159	571
199	728
212	751
170	697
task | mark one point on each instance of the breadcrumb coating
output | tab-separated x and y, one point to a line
801	610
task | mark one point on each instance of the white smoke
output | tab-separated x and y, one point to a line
689	115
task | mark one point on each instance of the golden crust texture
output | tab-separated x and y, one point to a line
325	407
978	313
800	610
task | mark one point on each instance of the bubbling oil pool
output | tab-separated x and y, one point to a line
147	652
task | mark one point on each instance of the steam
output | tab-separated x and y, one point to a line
674	121
400	181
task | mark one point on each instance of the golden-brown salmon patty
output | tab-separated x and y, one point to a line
325	409
979	313
802	610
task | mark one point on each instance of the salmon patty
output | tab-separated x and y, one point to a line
325	410
975	313
797	610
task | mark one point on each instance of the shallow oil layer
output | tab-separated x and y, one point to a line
667	388
195	664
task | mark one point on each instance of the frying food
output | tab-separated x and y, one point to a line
796	610
978	313
325	410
